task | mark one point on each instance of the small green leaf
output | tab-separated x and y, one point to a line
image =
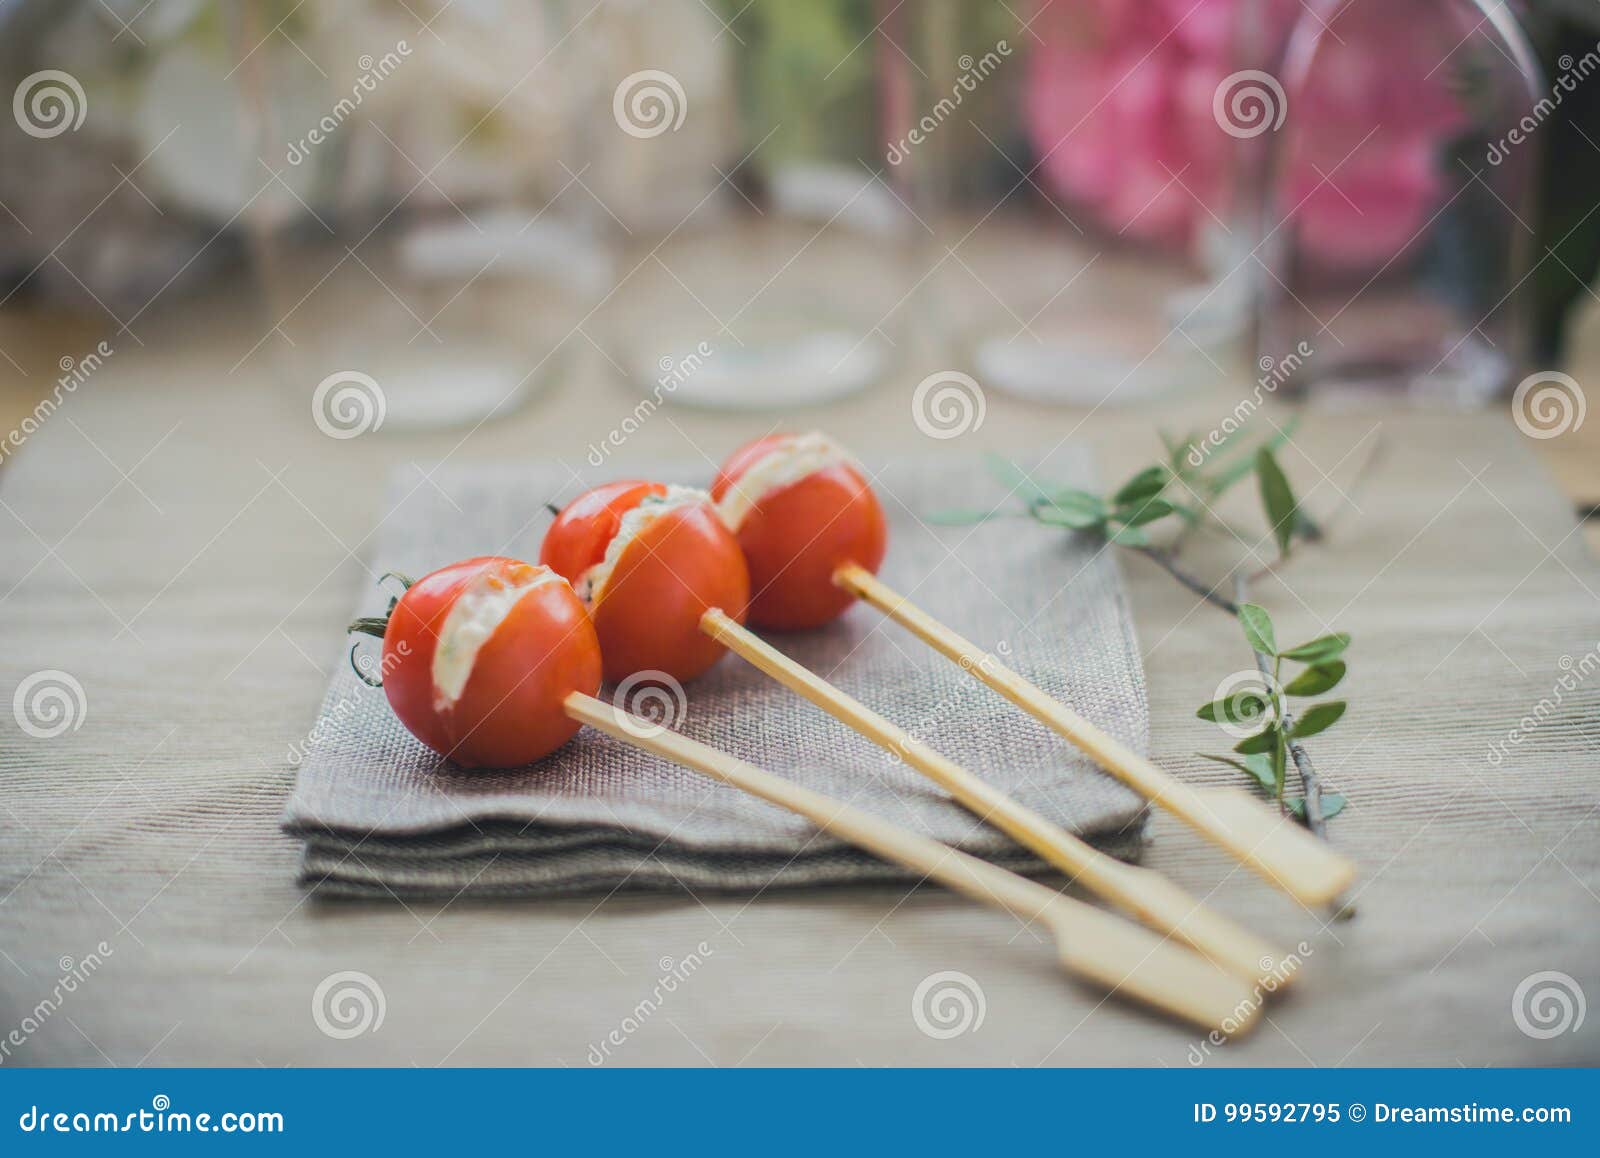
1318	718
1257	764
1067	496
1332	804
1316	680
1130	537
1257	626
1074	499
1073	520
1244	464
962	517
1188	514
1321	649
1178	451
1144	485
1138	514
1276	498
1011	476
1263	741
1243	709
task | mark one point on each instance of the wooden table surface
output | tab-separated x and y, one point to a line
32	341
237	552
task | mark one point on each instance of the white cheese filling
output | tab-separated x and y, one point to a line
591	584
477	612
786	463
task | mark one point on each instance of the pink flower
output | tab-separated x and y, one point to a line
1119	106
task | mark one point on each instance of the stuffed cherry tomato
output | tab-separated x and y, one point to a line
801	509
649	560
478	657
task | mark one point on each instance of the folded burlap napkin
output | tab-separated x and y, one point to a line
382	815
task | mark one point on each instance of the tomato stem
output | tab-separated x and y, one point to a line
361	675
375	625
405	581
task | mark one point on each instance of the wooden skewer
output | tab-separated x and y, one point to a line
1142	893
1283	852
1092	943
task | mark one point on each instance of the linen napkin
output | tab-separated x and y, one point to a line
383	816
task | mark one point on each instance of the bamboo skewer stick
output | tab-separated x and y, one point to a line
1142	893
1287	855
1092	943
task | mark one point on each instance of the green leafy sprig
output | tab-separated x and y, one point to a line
1184	493
1265	752
1119	517
1174	488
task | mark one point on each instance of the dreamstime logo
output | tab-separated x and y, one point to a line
1274	373
1548	404
1573	72
74	373
948	1004
1248	103
348	403
986	663
674	373
348	1004
1573	673
372	71
1245	697
948	404
652	702
1274	975
1548	1004
49	103
338	717
48	703
672	975
973	73
648	103
915	737
73	974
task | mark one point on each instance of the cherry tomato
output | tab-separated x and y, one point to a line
647	610
797	534
478	657
581	533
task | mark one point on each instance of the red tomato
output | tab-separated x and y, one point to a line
681	564
509	710
577	540
796	536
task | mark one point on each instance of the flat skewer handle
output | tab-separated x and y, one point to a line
1094	944
1287	855
1146	895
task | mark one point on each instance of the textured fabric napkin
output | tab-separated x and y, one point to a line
381	815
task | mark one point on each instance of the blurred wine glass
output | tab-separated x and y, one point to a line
1094	223
439	254
773	276
1398	215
